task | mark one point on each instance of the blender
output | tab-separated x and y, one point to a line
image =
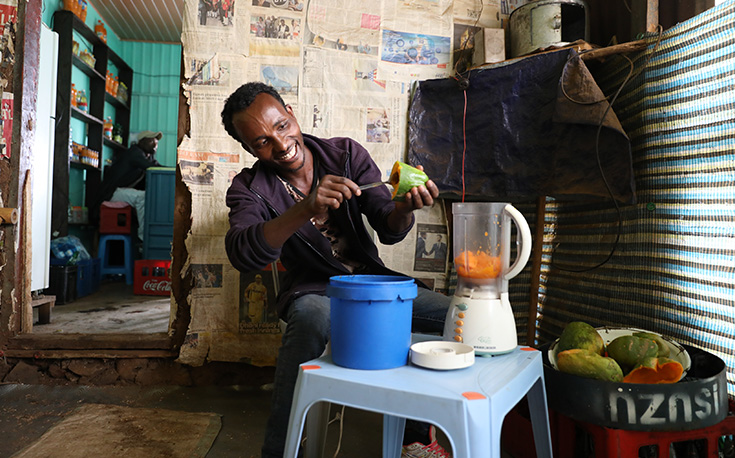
480	314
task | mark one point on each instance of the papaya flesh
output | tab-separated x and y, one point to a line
477	264
630	351
403	177
584	363
580	335
655	370
663	347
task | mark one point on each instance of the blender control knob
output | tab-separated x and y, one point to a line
458	330
458	338
460	315
462	307
459	323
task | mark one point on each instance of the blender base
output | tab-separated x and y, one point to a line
488	325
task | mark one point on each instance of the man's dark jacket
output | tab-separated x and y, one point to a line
257	195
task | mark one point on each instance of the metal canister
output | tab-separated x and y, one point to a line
544	23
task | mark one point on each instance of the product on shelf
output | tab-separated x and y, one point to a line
88	58
83	10
82	102
115	85
73	95
122	92
107	128
75	47
100	30
117	133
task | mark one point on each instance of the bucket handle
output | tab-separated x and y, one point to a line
524	237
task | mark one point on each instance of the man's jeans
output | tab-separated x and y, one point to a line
306	338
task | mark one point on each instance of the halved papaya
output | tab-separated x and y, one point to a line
655	370
403	177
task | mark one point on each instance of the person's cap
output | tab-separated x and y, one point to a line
258	276
149	134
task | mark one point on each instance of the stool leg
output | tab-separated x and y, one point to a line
128	261
317	420
393	428
540	419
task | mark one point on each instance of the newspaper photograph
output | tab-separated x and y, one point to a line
221	25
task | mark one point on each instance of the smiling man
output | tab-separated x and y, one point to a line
301	203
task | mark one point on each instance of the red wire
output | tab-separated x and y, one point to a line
464	140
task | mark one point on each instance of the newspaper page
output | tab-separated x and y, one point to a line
424	253
407	51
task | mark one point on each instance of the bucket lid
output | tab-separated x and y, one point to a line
442	355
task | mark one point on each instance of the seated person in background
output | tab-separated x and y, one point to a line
124	180
300	203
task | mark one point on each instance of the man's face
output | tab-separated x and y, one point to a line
149	145
270	132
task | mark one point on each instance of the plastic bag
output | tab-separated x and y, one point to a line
69	249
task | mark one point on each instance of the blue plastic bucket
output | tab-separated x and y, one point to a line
371	320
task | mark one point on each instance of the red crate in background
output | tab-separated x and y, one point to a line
151	277
115	218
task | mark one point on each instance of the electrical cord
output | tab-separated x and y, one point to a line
597	151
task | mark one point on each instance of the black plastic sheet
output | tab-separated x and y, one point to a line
524	136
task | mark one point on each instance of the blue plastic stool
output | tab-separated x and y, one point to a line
124	269
469	405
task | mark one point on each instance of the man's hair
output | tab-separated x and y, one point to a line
241	99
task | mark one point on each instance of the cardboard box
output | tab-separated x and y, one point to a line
489	46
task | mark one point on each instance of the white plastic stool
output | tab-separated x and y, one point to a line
127	267
469	405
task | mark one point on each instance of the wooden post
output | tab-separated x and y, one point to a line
537	250
644	16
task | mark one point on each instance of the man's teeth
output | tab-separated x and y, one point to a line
290	154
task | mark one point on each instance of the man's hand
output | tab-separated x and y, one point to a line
416	198
330	193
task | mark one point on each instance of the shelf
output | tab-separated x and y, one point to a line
79	165
84	116
70	28
115	145
84	67
117	103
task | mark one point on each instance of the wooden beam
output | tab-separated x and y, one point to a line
8	215
602	53
103	342
644	16
103	354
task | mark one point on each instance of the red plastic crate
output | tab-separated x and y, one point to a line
151	277
115	218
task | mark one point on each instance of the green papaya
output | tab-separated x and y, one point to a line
403	177
630	350
663	347
580	335
585	363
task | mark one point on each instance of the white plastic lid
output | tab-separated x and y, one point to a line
441	355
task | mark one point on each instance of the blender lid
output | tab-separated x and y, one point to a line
441	355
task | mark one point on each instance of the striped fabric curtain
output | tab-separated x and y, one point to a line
666	264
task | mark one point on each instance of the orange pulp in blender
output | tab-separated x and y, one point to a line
477	264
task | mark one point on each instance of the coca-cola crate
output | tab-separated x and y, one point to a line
151	277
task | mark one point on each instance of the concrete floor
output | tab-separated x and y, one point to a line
112	309
27	411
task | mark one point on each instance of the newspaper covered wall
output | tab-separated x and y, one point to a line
346	68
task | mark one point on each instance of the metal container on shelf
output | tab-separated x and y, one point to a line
544	23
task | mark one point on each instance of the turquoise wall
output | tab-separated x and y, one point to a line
154	104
